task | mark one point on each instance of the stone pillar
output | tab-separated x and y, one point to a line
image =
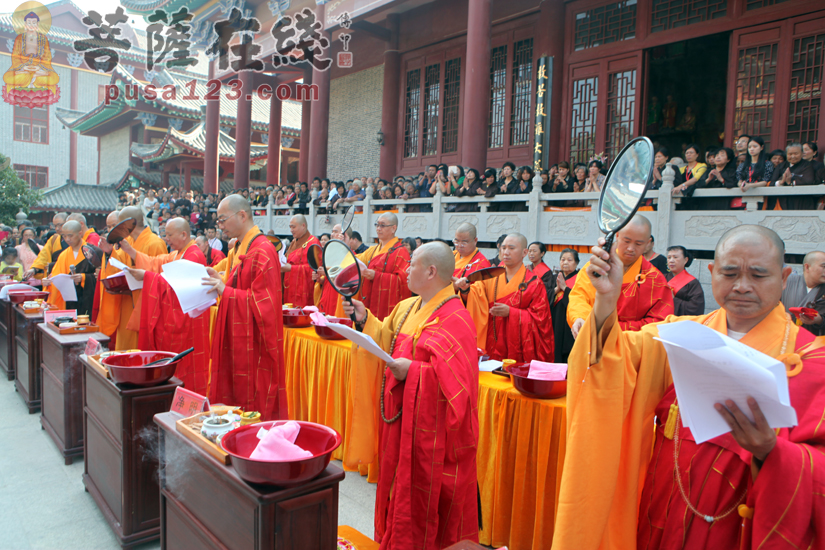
72	133
306	115
243	130
273	146
551	43
319	121
389	102
212	114
477	85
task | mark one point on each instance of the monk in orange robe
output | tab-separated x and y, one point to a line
510	312
72	262
327	299
385	279
754	487
106	310
163	325
427	485
50	251
298	285
213	256
467	256
646	298
248	335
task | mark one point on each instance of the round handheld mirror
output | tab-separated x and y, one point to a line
347	220
315	256
342	269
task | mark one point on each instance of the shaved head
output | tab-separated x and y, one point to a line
632	240
178	225
519	238
235	216
513	250
814	257
237	203
60	217
752	235
78	218
389	218
467	229
438	255
71	227
178	233
112	219
640	222
133	212
299	219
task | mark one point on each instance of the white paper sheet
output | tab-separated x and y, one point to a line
185	279
134	284
709	368
361	339
64	284
489	365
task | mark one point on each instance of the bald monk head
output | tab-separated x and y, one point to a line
178	233
813	268
73	234
112	219
79	218
386	226
513	251
202	243
431	269
298	226
466	239
235	217
137	214
632	240
748	274
58	220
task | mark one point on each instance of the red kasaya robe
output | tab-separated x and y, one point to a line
327	299
91	237
248	338
466	265
127	332
164	327
389	286
298	283
527	332
427	485
214	256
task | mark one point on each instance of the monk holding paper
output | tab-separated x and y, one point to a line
248	337
72	262
468	258
298	285
385	279
163	325
510	312
427	491
626	486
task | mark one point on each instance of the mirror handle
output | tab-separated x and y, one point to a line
608	244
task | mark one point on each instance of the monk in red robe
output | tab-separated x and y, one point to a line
298	284
385	279
510	312
468	258
248	335
213	256
754	487
163	325
427	484
327	299
645	298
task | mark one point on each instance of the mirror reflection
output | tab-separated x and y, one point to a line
625	185
341	268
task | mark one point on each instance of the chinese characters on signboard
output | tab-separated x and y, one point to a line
543	83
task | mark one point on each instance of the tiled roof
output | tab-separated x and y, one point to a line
78	197
194	140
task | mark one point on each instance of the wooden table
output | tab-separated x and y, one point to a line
27	357
119	449
204	504
62	399
7	338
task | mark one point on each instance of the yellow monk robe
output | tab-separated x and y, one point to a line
464	265
85	290
49	252
645	296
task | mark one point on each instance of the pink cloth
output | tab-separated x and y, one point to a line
26	255
278	444
540	370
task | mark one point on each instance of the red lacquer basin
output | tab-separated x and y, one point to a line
318	439
116	285
540	389
296	318
128	368
329	334
20	296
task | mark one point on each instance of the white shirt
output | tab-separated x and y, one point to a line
736	335
216	243
149	203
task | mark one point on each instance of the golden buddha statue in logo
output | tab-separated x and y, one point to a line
31	81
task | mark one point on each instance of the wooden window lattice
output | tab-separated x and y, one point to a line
583	119
605	24
756	4
498	93
671	14
621	111
521	92
432	91
755	91
806	88
31	125
411	113
452	93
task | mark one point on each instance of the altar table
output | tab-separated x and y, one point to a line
521	440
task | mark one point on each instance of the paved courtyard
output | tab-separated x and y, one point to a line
44	504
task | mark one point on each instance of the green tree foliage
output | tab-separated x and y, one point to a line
15	194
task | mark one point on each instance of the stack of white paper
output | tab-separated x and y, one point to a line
185	279
134	284
64	284
709	368
359	338
489	366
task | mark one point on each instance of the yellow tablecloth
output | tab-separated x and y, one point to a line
521	440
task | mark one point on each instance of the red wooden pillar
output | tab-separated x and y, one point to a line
187	178
164	179
212	113
273	146
319	122
72	134
243	130
306	115
551	19
477	85
389	104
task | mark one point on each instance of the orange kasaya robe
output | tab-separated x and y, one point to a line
298	284
645	297
527	332
248	334
464	265
164	326
389	286
129	323
427	485
85	290
106	311
619	489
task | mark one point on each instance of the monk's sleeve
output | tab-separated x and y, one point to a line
581	298
659	305
221	266
616	379
531	329
150	263
479	309
394	280
301	277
